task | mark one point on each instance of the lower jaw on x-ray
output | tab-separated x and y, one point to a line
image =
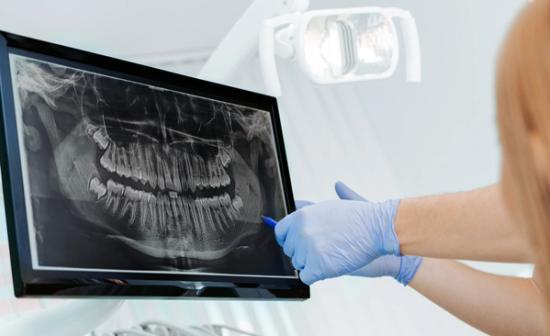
126	176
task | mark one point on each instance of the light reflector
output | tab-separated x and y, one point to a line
349	46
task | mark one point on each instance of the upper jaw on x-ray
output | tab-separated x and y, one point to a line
167	174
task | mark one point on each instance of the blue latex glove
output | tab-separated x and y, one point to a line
402	269
334	238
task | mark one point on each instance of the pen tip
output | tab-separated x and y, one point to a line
269	221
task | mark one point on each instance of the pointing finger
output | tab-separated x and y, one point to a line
346	193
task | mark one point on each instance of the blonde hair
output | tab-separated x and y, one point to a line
523	103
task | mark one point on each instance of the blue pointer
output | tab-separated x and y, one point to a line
269	221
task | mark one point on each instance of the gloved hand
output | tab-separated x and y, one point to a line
334	238
402	269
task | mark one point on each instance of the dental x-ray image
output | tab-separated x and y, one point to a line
131	177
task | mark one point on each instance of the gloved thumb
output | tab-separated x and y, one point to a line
346	193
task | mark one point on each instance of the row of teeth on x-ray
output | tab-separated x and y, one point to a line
167	211
176	170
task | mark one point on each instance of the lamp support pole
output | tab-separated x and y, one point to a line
241	42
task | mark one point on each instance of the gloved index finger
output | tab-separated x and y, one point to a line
346	193
281	230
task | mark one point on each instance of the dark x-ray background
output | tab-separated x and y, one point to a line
62	107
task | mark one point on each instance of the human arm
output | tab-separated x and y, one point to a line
497	305
334	238
471	225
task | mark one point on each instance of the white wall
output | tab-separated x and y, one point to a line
386	138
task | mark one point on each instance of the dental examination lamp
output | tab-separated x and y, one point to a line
339	45
331	45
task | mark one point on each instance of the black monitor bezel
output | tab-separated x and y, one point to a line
30	282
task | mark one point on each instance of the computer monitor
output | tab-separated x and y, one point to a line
124	180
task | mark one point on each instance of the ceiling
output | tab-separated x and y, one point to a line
124	28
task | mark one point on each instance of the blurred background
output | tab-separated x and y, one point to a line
386	138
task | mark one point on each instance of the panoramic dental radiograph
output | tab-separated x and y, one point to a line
121	175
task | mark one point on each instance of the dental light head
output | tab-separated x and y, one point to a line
344	47
340	45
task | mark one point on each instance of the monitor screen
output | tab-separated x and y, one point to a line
131	177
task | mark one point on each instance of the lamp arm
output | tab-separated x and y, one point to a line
241	42
268	48
268	65
412	47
